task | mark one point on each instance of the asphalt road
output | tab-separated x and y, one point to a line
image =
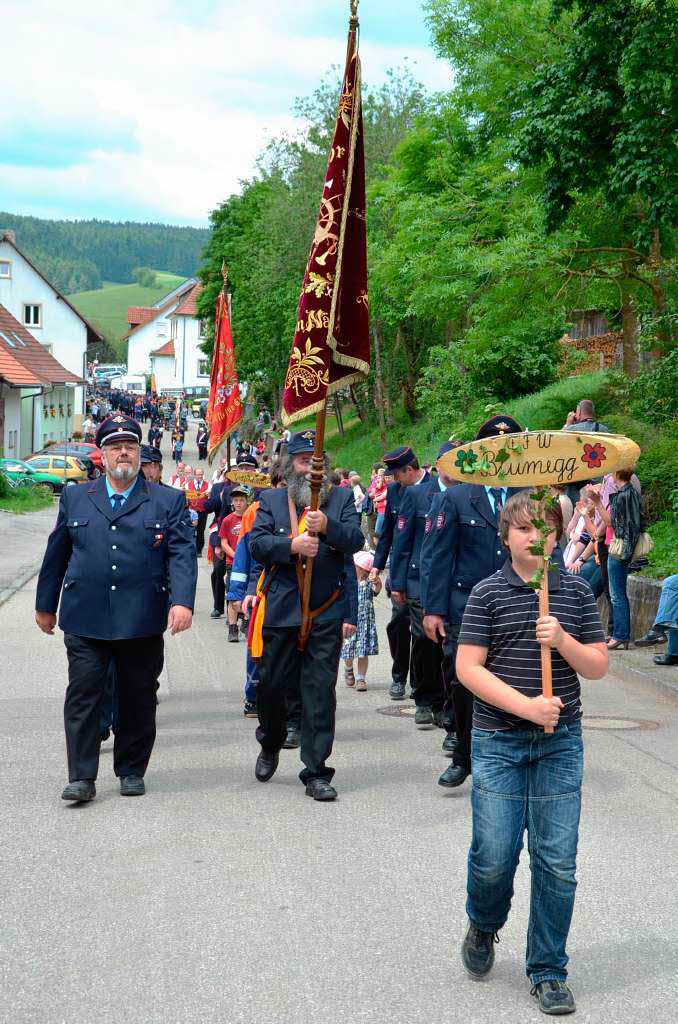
217	899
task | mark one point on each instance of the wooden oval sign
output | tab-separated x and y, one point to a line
539	457
250	477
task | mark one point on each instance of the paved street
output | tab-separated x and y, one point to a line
217	899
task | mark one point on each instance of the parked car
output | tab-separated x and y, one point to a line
20	472
83	450
199	409
74	469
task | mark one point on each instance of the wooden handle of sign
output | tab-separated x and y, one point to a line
546	677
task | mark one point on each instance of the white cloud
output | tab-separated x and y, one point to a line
166	106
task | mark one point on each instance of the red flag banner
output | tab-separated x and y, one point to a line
224	411
331	346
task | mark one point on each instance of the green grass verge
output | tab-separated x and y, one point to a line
106	308
26	499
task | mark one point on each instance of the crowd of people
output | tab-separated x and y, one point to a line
465	631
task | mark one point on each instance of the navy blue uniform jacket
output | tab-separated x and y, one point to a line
408	538
394	495
117	567
461	547
270	544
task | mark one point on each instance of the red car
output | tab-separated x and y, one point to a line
83	450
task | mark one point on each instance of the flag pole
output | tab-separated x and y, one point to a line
318	462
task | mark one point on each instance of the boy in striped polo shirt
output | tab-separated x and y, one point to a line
524	778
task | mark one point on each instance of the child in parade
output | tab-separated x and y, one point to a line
228	538
523	777
364	641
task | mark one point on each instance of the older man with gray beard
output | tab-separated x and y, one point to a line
120	545
281	540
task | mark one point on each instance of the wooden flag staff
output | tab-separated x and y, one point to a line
538	459
317	474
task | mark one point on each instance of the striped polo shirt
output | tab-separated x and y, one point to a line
501	615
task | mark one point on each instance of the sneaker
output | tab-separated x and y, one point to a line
250	709
652	637
477	951
554	997
396	690
360	684
423	718
349	677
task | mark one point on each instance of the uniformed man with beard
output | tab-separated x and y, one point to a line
280	541
120	545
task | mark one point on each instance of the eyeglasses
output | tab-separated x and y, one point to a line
119	446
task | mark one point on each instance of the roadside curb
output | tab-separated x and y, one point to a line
20	581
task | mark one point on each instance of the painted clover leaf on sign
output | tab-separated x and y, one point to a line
466	461
593	455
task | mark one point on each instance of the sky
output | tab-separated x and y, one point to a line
155	110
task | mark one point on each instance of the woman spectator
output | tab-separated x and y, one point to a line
560	491
378	493
624	525
358	492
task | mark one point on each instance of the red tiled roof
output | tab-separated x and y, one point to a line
157	311
140	315
27	351
165	350
189	306
16	375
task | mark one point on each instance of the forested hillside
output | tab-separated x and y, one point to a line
78	255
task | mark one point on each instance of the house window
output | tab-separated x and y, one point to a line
5	268
203	367
32	314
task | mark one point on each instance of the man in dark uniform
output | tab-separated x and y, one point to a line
402	462
151	464
462	546
427	677
118	546
280	542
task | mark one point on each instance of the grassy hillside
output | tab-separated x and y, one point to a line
106	308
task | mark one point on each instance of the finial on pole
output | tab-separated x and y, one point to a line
224	271
354	10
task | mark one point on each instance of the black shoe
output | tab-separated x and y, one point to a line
450	744
216	614
423	718
396	690
665	659
267	762
554	997
250	709
454	775
477	951
132	785
319	789
293	738
651	638
233	637
80	792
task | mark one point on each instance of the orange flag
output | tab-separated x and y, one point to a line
224	411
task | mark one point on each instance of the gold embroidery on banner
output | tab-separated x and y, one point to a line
319	285
346	108
303	373
362	298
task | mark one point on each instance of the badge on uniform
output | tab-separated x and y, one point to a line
440	521
158	539
429	525
401	523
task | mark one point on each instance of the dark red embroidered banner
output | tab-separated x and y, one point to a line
224	411
331	347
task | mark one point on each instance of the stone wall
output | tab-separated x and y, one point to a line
643	594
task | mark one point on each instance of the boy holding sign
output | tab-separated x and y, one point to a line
524	778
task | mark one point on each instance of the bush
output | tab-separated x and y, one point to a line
658	462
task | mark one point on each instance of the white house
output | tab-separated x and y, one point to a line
27	294
165	341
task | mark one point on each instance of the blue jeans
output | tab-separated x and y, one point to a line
617	573
379	524
593	576
667	613
525	779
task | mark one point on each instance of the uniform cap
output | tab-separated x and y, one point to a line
301	443
240	489
498	425
118	428
399	458
247	460
150	454
447	446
